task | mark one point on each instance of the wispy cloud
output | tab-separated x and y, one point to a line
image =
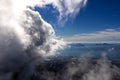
105	36
66	8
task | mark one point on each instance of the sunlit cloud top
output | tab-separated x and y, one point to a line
65	8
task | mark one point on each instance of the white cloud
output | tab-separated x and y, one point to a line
66	8
106	36
24	35
23	30
69	8
28	25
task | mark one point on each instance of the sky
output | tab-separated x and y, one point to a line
97	21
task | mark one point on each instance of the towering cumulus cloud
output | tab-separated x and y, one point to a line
24	35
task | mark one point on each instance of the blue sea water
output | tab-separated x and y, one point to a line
109	51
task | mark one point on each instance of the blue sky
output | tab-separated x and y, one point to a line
96	16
